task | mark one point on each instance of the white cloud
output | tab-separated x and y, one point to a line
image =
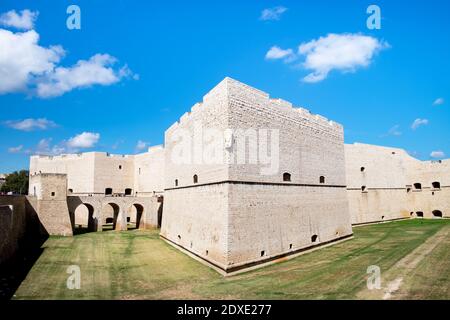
44	147
22	60
344	52
272	13
437	154
141	145
31	124
419	122
438	101
394	131
96	70
25	66
276	53
23	20
83	140
15	149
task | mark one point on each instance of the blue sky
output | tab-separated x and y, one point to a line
170	53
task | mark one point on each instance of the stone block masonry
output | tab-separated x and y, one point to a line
235	214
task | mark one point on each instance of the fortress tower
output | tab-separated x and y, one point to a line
249	179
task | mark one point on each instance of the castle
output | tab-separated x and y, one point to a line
242	179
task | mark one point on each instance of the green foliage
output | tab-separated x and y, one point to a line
16	182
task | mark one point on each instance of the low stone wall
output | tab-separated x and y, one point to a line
13	220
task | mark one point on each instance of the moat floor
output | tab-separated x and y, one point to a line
414	257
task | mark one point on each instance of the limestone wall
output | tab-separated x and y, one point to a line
187	146
50	202
92	173
236	214
149	171
113	171
13	219
197	220
429	198
78	167
388	176
266	221
310	145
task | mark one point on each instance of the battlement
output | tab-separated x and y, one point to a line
156	148
230	87
73	156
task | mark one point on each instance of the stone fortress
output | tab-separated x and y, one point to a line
242	179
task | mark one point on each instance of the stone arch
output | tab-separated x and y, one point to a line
83	219
110	214
322	179
437	214
135	214
286	176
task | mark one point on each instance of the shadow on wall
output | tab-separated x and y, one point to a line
21	239
160	211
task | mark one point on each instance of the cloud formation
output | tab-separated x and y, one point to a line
83	140
276	53
438	101
272	14
394	131
141	145
15	149
78	142
23	20
31	124
419	122
437	154
23	61
343	52
26	66
96	70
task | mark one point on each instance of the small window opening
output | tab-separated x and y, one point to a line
286	176
417	186
363	169
436	185
314	238
195	178
176	182
437	214
263	253
322	179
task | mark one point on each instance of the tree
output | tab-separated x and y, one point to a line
16	182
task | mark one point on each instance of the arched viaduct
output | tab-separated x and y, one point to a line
98	213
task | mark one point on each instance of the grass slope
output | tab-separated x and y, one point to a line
139	265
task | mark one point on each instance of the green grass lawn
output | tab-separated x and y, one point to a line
139	265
